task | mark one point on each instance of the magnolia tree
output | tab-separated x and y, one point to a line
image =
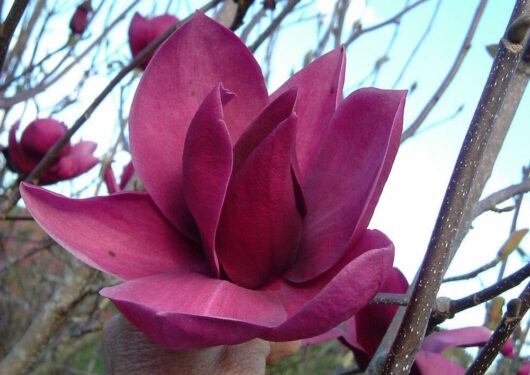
235	239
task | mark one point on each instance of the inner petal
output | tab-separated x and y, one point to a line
260	227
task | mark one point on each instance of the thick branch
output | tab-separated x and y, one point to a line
439	252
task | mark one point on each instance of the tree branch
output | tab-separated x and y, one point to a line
274	25
490	203
394	19
7	29
456	306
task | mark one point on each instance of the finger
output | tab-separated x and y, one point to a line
127	351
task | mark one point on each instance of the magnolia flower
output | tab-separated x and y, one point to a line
38	137
525	369
367	328
79	20
254	219
143	31
110	178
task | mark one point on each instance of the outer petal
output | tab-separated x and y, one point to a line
370	324
75	163
126	175
139	33
160	24
260	225
207	167
462	337
40	135
525	369
21	162
122	234
332	334
317	307
319	92
110	180
427	363
347	177
189	311
198	56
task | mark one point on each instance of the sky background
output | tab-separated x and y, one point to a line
409	205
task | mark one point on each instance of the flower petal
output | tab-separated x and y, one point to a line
462	337
138	34
316	307
40	135
110	180
122	234
427	363
271	116
319	92
371	323
191	311
126	175
347	177
332	334
17	158
78	161
260	225
198	56
207	166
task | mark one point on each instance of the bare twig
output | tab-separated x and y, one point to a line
515	311
466	45
491	202
475	272
392	20
439	252
456	306
390	299
274	25
7	29
419	44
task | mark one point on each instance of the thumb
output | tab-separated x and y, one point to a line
127	351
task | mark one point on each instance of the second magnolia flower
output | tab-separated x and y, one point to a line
255	219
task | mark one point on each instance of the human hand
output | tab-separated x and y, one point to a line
127	351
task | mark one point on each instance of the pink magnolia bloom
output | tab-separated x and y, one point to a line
525	369
143	31
112	183
367	328
38	137
79	20
254	220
